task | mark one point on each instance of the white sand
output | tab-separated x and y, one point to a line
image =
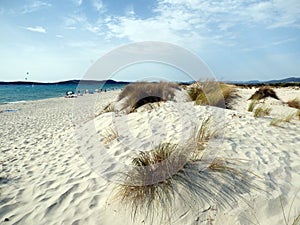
46	178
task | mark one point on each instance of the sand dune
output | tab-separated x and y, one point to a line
52	169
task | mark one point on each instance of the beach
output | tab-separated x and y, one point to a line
47	176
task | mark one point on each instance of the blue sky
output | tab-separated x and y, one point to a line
237	39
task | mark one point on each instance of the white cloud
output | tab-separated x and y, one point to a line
81	21
71	28
129	11
98	5
38	29
35	6
72	21
196	20
59	36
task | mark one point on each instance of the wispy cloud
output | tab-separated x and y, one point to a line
98	5
175	20
81	21
270	44
129	11
35	6
38	29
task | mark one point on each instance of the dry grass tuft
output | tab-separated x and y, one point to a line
141	93
212	93
110	135
109	108
252	105
168	174
202	137
295	103
264	92
277	121
296	220
262	111
298	114
288	118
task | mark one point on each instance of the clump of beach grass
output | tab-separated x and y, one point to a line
170	172
295	103
212	93
110	135
298	114
141	93
262	111
264	92
252	105
277	121
202	137
288	118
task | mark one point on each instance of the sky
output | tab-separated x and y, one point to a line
44	40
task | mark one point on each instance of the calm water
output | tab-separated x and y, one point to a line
23	92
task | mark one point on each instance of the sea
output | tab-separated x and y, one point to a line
10	93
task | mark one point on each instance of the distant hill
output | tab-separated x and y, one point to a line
285	80
64	82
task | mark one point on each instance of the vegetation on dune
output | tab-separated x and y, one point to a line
295	103
261	111
109	108
252	105
110	135
264	92
276	85
287	218
170	173
141	93
212	93
277	121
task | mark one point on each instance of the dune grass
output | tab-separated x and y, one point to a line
296	220
252	105
264	92
170	173
110	135
141	93
287	218
109	108
295	103
212	93
286	119
276	121
261	112
298	114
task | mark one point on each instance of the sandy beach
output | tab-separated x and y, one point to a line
47	177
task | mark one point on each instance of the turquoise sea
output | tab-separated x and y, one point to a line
25	92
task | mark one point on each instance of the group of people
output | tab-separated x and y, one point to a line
71	94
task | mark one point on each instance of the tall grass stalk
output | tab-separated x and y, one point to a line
252	105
